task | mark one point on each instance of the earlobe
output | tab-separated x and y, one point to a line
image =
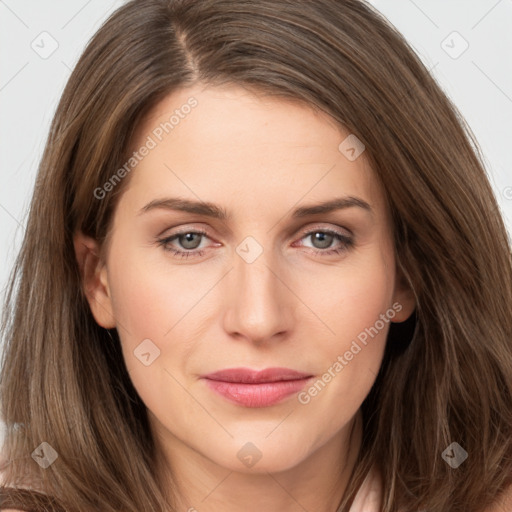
94	279
404	299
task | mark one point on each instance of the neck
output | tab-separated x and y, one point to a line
317	483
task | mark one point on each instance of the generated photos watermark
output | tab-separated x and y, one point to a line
151	142
304	397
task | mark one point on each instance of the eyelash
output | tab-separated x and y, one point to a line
347	243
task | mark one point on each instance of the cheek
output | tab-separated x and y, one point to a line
153	309
351	296
150	301
150	293
356	304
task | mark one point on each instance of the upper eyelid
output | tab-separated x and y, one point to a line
305	230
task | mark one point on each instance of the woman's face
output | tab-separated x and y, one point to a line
275	281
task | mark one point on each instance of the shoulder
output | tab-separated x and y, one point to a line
369	495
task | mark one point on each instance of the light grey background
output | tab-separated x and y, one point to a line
40	43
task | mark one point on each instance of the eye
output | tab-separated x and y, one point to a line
322	240
188	242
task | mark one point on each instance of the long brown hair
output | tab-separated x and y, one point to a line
446	375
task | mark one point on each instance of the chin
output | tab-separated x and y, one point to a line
261	458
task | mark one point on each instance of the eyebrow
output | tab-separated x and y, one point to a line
212	210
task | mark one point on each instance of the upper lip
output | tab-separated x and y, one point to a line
248	376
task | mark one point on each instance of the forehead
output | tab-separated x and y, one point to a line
212	142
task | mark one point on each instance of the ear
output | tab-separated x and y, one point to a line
94	277
403	296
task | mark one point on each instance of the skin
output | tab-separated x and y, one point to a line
258	158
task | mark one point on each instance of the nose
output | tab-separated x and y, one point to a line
258	304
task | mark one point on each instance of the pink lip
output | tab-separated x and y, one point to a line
252	388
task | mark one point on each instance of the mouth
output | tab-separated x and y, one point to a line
251	388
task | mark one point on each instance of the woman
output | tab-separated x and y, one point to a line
263	268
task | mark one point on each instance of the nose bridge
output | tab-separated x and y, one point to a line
258	306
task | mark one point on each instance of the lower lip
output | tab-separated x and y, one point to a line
257	395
